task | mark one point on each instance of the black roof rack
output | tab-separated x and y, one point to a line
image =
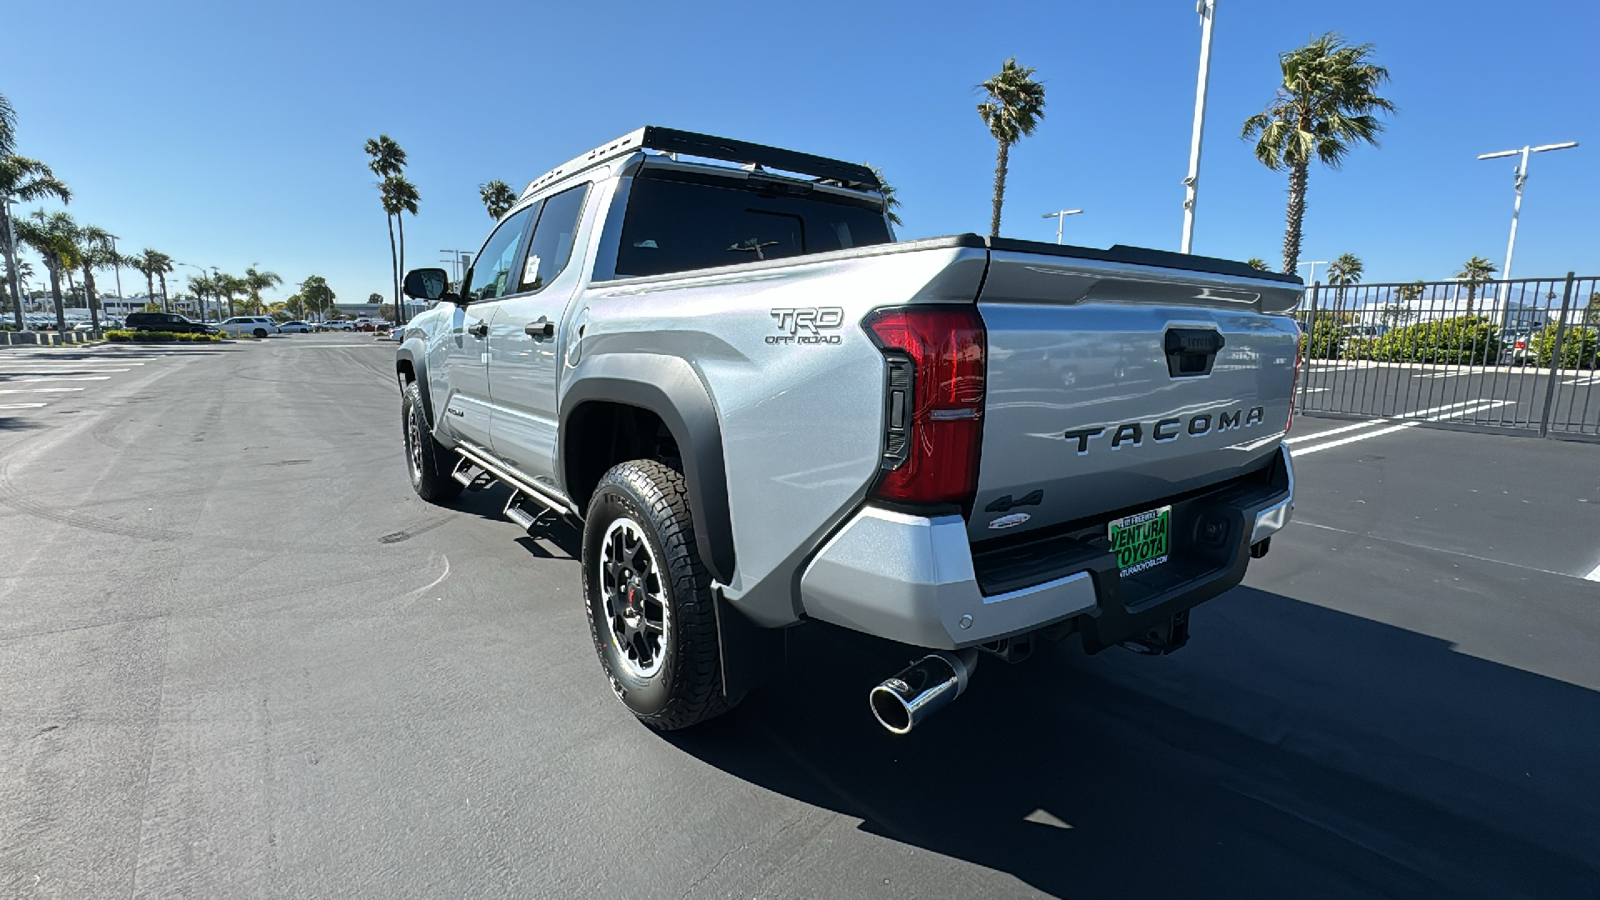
671	140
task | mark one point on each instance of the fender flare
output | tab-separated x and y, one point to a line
413	352
671	389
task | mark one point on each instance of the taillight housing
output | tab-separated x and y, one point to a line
934	406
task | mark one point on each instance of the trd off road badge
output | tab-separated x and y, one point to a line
805	325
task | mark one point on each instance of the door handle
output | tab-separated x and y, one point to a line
478	329
540	327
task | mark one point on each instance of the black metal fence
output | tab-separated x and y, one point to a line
1521	355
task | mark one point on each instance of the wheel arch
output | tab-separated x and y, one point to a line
670	390
411	364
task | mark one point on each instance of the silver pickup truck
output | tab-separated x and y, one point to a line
713	358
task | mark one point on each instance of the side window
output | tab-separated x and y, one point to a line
487	278
553	237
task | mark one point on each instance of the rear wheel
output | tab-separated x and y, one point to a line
649	598
427	460
260	332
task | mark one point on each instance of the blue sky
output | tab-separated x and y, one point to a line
230	134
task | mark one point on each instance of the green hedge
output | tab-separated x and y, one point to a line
1463	339
1323	340
153	337
1579	348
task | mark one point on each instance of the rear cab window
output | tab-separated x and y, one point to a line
551	244
677	221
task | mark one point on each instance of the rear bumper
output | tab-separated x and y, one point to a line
915	579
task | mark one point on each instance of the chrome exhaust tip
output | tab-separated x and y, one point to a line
927	686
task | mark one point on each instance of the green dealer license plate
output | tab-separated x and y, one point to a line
1141	541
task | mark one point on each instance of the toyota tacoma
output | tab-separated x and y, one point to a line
761	409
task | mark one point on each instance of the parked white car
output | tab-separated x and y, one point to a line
260	326
295	326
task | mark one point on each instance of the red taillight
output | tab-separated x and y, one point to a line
935	406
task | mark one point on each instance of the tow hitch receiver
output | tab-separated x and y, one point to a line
1159	640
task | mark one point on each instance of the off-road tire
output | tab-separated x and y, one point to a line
687	688
429	462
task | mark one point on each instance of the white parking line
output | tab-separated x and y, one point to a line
1442	375
37	390
20	405
64	378
1404	425
1593	576
32	371
1584	379
33	361
1441	408
1333	431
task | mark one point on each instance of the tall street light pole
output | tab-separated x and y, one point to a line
1313	263
1060	216
1208	11
117	264
1520	175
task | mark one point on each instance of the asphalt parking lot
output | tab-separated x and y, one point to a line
238	657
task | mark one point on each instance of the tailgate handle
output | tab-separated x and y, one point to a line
1191	351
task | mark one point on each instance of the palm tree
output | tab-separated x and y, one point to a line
497	198
8	127
1344	271
1012	109
147	261
202	287
22	180
1323	108
1256	262
161	264
400	196
1474	272
891	202
386	160
255	282
226	286
94	253
55	238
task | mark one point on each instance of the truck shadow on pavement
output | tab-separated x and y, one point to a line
555	539
1291	750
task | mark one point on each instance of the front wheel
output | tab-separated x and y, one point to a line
649	598
426	459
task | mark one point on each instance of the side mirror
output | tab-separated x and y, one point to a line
426	284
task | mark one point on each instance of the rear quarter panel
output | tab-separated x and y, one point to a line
801	409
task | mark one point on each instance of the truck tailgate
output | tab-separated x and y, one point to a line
1100	398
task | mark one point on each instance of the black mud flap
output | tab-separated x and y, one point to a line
751	655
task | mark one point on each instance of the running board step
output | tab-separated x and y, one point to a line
471	475
525	518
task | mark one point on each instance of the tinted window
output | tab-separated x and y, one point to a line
676	222
490	271
551	244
